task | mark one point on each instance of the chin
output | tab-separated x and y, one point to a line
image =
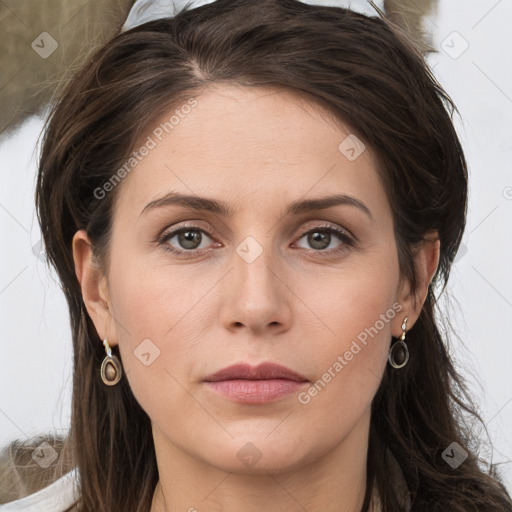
257	455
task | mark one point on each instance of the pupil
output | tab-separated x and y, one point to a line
317	237
187	239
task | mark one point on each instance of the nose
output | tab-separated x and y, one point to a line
256	294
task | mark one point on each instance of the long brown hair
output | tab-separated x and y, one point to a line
364	71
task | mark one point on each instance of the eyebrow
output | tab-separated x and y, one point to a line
220	208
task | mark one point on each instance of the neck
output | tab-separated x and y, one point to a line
333	480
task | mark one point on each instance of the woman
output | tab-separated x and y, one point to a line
249	206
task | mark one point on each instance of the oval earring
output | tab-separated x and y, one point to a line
111	370
399	353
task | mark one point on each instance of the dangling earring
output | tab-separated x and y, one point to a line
399	353
111	370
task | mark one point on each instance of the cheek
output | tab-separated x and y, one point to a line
350	351
155	301
344	302
147	309
162	319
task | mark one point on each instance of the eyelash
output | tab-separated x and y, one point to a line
345	238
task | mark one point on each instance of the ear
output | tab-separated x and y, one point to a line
426	261
94	286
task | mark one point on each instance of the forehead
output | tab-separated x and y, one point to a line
249	143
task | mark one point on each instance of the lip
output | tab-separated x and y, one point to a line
260	384
263	371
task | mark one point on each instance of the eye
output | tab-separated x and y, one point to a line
320	237
188	239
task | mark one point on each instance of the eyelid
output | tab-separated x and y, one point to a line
175	228
326	224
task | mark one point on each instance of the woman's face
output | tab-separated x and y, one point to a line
267	283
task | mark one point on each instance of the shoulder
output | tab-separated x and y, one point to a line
38	474
56	497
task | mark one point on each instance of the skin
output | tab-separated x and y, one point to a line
295	304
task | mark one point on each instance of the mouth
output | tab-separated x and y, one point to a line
260	384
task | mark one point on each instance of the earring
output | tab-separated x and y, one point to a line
399	353
111	370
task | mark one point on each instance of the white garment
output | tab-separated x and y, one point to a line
143	11
56	497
